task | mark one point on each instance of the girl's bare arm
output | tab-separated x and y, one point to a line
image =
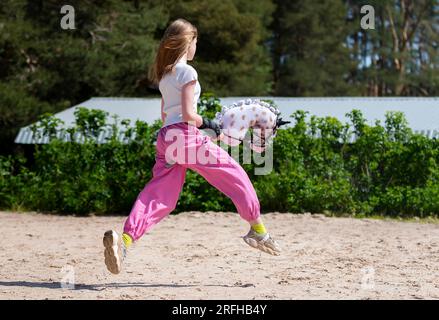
187	101
163	114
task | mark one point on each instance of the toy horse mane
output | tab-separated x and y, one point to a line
261	117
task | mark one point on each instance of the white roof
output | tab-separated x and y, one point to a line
422	114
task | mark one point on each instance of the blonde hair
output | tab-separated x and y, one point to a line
175	42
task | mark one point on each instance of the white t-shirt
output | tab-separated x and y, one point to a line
170	87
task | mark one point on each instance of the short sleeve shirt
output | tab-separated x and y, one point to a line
171	86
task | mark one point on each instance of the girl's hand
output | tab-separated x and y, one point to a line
220	137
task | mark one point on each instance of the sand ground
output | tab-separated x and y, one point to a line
197	255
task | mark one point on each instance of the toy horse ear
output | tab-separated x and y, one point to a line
280	122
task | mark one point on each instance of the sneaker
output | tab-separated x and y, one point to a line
115	251
264	243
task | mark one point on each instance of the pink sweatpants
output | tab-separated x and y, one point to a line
188	148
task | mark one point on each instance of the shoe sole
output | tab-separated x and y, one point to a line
112	260
255	244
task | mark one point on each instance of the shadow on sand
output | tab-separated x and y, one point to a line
103	286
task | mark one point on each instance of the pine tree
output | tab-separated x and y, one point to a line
232	53
309	53
399	57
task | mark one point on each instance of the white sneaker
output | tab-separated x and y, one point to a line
115	251
264	243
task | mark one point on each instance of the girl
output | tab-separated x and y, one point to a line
180	89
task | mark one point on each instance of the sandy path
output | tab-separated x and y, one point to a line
188	256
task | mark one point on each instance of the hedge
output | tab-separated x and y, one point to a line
319	165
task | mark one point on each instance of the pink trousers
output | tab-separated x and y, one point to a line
180	147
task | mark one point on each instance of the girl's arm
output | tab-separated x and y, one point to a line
187	102
163	114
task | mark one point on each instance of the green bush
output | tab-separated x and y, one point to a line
319	165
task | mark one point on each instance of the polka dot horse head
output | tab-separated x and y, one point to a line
261	117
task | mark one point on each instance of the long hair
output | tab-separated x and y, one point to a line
175	42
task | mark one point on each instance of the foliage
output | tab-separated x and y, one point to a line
319	165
